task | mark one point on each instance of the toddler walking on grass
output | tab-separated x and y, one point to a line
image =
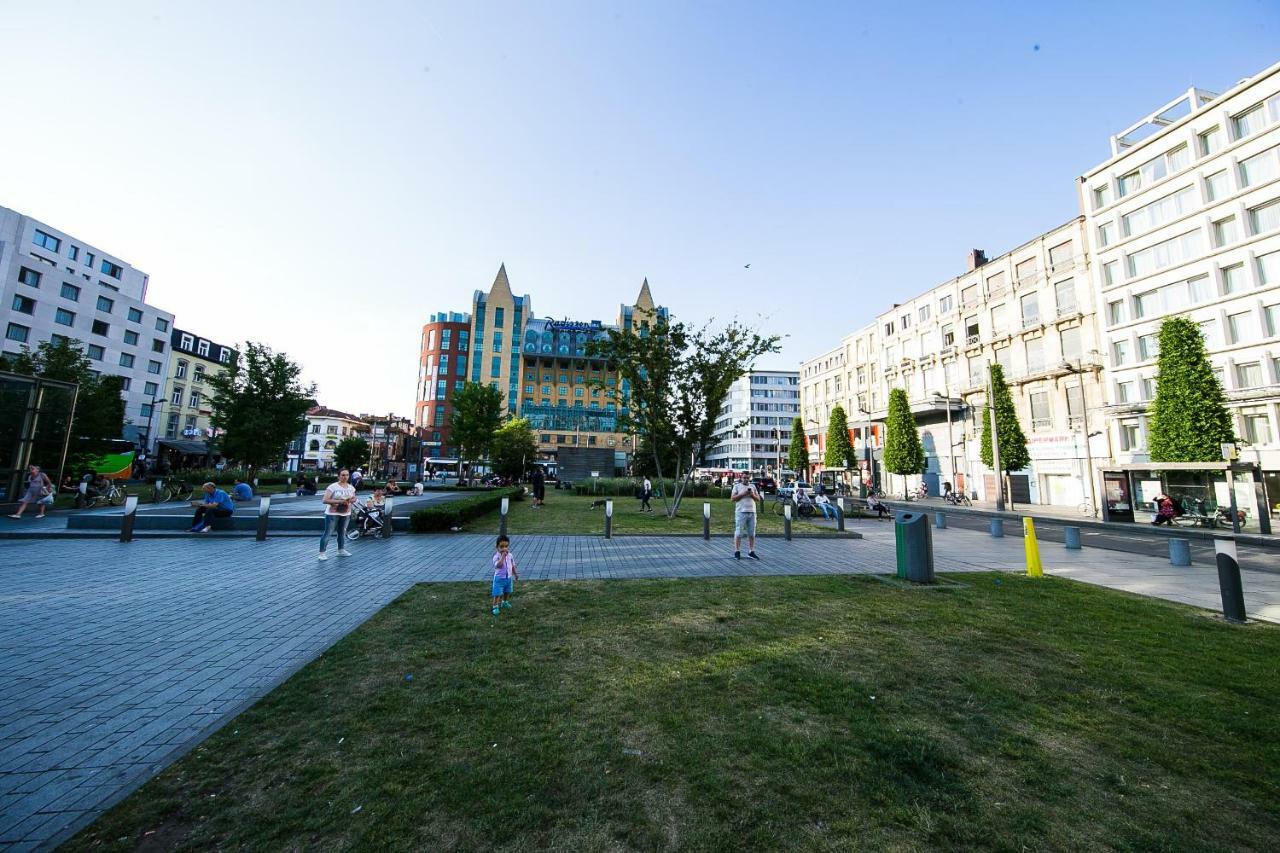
504	575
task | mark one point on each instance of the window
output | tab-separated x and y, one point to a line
88	260
113	270
1110	272
1215	186
498	317
1035	355
1249	375
73	252
181	371
135	315
1272	315
1116	313
162	325
176	397
1225	231
1130	436
145	410
1148	388
1124	392
1158	212
1070	343
1211	141
1240	327
1273	107
29	277
945	305
497	340
1101	198
968	296
1264	217
70	291
1232	279
888	329
948	339
495	367
1179	159
1120	352
1166	254
153	367
1248	122
1257	426
1260	168
331	430
46	241
1269	268
157	345
126	360
195	400
125	383
202	348
1064	293
971	329
1030	310
1060	254
95	352
100	328
1209	331
105	305
24	305
150	389
1106	233
1148	346
198	375
64	317
186	342
1129	183
997	320
17	332
224	355
923	313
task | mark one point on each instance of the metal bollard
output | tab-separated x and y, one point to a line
1071	538
1229	579
1032	548
839	505
264	511
608	519
997	528
502	523
940	520
786	522
130	513
389	527
255	484
706	521
1180	552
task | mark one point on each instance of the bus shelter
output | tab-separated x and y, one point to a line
35	426
1206	493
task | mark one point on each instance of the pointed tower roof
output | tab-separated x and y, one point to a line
501	287
644	301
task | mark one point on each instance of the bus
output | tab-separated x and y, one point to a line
116	463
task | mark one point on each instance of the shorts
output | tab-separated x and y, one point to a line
744	524
502	586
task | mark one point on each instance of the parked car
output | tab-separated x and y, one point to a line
765	485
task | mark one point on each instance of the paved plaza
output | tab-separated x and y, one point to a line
115	659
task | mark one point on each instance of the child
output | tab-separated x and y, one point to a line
504	575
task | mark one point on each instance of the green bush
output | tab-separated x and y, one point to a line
629	488
452	514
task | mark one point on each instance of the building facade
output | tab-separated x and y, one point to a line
56	286
442	370
185	407
325	429
754	424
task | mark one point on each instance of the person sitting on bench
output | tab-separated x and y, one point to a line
874	503
216	504
241	491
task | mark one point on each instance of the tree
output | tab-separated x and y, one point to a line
652	457
1013	442
903	453
677	382
839	452
798	452
352	452
513	449
1188	417
99	414
477	411
259	404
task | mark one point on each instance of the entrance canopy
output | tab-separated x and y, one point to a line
191	448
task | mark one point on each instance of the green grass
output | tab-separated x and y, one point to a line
572	514
815	713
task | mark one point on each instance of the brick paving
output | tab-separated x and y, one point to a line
115	659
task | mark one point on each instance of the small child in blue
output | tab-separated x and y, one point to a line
504	575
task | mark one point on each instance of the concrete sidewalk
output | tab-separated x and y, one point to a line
116	659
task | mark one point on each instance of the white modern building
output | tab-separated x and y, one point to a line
1184	218
58	286
754	425
325	429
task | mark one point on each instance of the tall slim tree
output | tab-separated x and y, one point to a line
903	453
1013	441
477	412
798	451
839	451
1189	420
260	404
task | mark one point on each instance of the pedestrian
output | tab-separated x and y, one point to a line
241	491
39	492
874	503
357	478
539	481
215	504
504	575
1164	510
338	498
744	497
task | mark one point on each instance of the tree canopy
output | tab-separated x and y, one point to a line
1013	441
798	451
839	450
1189	419
514	448
259	404
903	453
351	453
477	412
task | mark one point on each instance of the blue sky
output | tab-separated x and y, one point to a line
322	176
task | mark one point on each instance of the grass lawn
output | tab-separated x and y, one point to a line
565	513
813	713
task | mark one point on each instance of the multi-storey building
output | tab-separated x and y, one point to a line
823	384
754	424
56	286
186	404
325	429
391	439
442	370
1184	218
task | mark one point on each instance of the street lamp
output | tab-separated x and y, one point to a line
1078	370
866	454
951	446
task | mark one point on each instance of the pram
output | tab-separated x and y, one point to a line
370	521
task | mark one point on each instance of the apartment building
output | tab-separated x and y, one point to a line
1184	218
59	287
754	424
186	405
824	384
325	429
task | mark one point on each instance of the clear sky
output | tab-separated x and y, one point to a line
322	176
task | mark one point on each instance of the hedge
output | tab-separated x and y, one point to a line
446	516
627	488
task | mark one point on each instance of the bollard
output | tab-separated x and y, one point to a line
839	505
502	523
264	510
1229	579
1180	552
706	521
997	528
786	522
608	519
130	513
940	520
1032	548
388	528
255	484
1071	538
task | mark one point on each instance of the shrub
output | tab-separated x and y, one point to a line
627	487
453	513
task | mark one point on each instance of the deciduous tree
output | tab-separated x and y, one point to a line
477	412
351	453
513	449
259	404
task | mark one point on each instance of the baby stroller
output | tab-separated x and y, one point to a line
370	521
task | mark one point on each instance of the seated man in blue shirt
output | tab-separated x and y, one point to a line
215	504
241	491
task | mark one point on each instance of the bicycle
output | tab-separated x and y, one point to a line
958	499
114	496
1086	508
174	490
803	509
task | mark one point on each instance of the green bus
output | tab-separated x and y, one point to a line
117	462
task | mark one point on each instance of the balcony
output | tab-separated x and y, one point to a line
1069	310
1041	424
971	340
1030	320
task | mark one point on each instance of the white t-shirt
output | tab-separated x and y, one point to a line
746	504
339	492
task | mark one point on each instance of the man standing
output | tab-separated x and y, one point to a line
744	497
539	481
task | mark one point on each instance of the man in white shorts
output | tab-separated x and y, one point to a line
744	497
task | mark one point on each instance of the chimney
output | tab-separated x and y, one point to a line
977	258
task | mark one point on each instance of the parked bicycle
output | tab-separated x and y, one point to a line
172	490
958	499
804	508
1086	508
112	495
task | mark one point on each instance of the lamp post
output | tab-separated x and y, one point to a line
866	454
1078	370
951	446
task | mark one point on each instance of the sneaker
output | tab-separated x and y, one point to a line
343	552
506	605
737	555
753	555
323	555
207	529
496	611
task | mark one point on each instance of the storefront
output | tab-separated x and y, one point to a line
35	425
1203	492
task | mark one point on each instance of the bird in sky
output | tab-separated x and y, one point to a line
747	267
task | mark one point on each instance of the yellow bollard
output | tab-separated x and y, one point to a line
1032	549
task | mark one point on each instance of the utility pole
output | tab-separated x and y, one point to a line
1088	450
995	443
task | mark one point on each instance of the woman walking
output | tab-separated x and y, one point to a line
39	492
337	512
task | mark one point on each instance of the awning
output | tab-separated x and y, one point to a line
193	448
